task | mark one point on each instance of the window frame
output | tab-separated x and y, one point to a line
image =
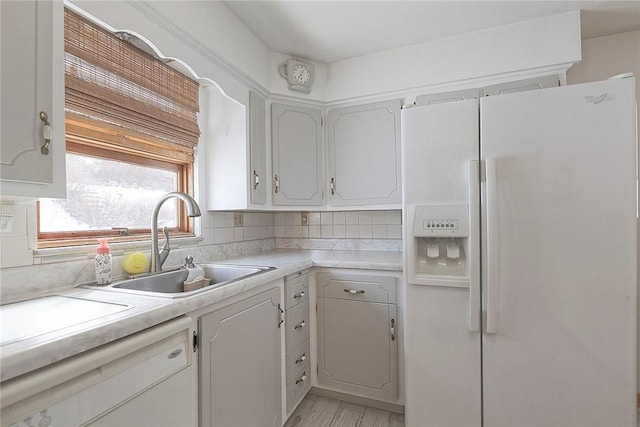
185	228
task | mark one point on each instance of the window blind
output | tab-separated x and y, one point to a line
121	97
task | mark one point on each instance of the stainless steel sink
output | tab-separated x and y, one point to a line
169	284
166	282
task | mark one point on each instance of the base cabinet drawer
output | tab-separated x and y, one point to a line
297	325
296	288
298	387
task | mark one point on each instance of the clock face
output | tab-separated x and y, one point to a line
301	74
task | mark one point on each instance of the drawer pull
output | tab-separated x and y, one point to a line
300	325
302	378
47	133
393	329
256	179
175	353
353	291
302	358
299	295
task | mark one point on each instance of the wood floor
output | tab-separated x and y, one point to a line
320	411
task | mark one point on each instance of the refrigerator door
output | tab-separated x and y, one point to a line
442	355
559	282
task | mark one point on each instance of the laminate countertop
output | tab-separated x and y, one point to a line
141	312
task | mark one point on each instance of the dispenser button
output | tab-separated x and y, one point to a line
453	250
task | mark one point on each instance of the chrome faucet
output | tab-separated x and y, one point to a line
193	210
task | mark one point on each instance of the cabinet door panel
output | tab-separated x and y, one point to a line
258	170
297	155
240	363
356	351
30	81
364	154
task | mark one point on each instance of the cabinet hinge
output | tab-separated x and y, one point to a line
195	341
280	316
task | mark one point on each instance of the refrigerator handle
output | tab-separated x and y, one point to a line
492	248
474	246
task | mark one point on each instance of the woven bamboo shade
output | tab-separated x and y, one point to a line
118	95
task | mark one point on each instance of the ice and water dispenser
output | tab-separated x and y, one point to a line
438	242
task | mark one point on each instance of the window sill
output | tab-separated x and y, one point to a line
76	253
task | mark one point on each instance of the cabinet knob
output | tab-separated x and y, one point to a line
354	291
47	133
300	325
302	358
299	295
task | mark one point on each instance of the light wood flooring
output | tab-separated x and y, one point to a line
320	411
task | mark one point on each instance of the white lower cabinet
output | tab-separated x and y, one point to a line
357	334
298	374
240	359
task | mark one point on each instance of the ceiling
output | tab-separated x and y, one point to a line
329	31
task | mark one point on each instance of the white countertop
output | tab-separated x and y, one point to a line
42	350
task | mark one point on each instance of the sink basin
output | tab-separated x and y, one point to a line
169	284
164	282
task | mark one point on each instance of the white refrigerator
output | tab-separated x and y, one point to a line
519	219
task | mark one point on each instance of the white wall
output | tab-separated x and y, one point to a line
529	45
603	57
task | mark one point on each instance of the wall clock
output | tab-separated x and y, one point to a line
298	73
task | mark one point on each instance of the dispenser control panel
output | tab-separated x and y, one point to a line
441	220
447	224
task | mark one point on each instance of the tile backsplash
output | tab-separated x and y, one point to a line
229	227
339	225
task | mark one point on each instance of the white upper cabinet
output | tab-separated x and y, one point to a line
32	99
234	136
364	155
257	148
297	155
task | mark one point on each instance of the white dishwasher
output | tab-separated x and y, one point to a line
146	379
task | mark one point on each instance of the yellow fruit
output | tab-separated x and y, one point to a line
135	263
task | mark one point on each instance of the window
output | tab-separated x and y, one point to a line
131	130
